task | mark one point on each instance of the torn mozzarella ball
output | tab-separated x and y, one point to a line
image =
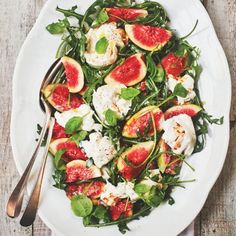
85	112
108	97
100	148
180	134
114	38
188	83
122	190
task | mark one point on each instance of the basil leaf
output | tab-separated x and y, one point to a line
129	93
141	189
58	162
111	117
180	90
101	213
73	124
101	45
78	137
101	18
81	205
58	27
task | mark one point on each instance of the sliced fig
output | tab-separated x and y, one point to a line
132	161
164	158
127	14
150	38
141	122
84	90
130	72
166	162
92	190
121	208
76	170
174	65
58	132
72	151
59	97
188	109
74	74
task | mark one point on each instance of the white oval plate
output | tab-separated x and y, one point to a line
36	56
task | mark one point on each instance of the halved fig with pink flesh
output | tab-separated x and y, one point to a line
127	14
141	123
74	74
121	208
166	162
59	97
130	72
92	190
132	161
77	170
188	109
150	38
72	151
58	132
174	65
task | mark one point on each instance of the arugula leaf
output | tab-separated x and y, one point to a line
180	90
58	162
70	12
123	228
73	124
78	137
101	45
58	27
111	117
81	205
59	177
129	93
90	219
101	18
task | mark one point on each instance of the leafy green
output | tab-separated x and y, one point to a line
180	90
58	161
73	124
59	177
101	45
129	93
111	117
141	189
58	27
78	137
81	205
101	18
123	228
101	213
70	12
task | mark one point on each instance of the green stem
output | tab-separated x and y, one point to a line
144	101
166	100
195	26
121	220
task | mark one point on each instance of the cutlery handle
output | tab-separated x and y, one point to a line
14	204
32	207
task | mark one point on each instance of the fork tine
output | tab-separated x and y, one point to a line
51	73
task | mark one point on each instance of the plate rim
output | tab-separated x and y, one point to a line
211	181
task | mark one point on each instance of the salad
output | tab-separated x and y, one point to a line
128	112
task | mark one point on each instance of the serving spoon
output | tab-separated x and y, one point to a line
14	204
